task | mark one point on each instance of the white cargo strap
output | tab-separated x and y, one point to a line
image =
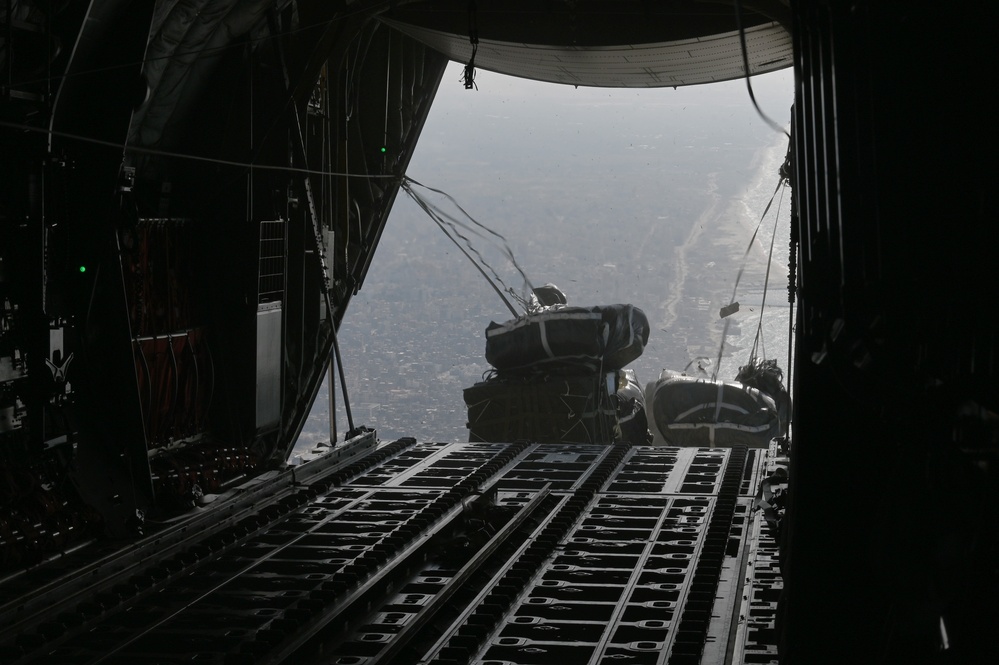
752	429
551	315
544	338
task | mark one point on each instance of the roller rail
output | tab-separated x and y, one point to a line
486	553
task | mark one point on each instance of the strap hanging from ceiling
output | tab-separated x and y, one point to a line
468	77
745	65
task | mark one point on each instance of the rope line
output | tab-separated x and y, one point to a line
427	209
450	225
758	342
738	277
745	64
480	230
180	155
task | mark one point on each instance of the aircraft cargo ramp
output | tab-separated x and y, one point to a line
411	552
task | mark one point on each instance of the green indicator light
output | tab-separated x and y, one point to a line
83	268
384	149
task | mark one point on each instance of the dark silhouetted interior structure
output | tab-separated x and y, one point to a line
192	191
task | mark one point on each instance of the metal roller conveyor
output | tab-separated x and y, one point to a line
449	553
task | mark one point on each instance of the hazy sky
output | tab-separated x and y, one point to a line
520	155
517	130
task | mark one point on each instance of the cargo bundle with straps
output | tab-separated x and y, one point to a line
557	375
568	340
586	408
690	411
552	409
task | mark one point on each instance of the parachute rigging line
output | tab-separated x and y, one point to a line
742	268
434	215
758	342
445	222
452	227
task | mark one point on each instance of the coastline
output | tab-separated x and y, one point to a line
686	323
